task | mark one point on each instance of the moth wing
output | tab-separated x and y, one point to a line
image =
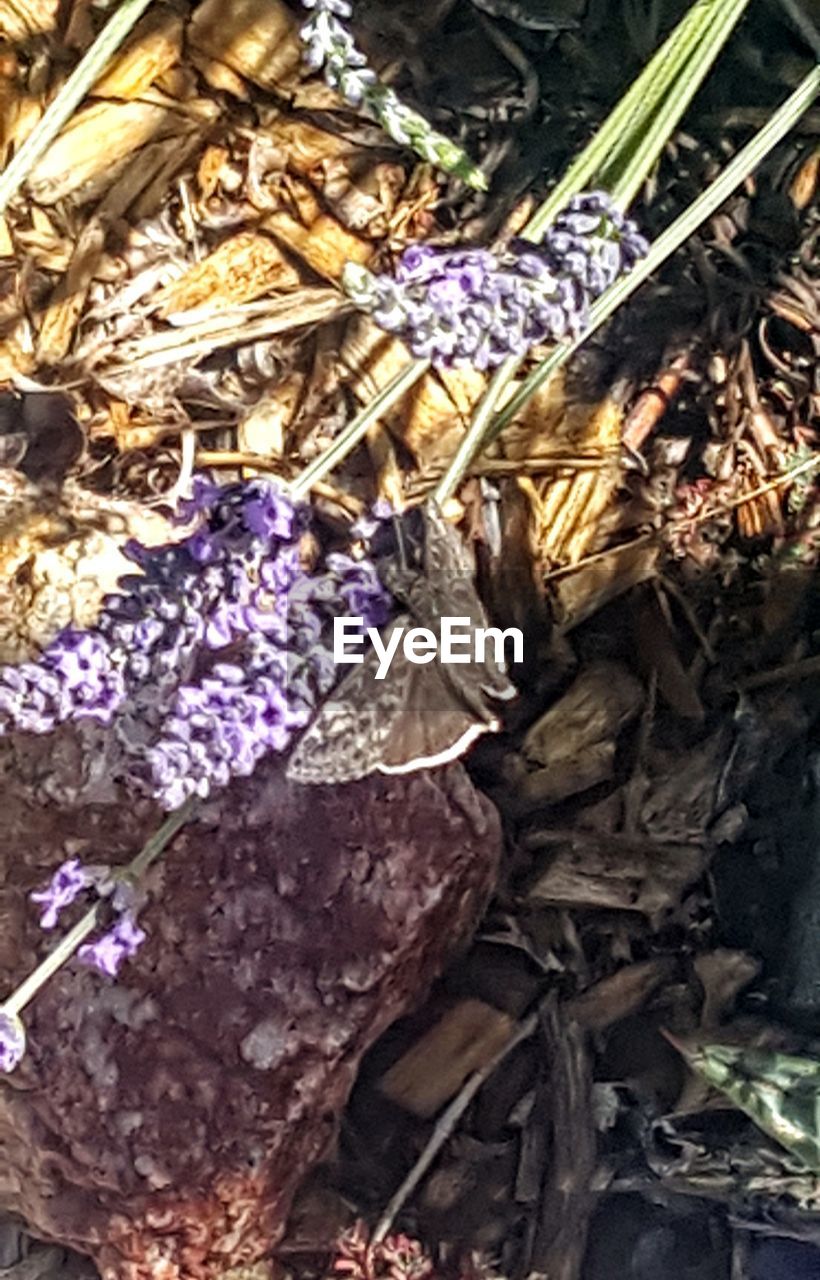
435	725
346	739
450	581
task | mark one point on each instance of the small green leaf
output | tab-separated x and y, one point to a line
780	1092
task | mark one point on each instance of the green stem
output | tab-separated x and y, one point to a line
671	239
627	179
355	430
66	947
60	110
650	110
477	430
612	142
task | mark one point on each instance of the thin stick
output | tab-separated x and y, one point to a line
777	482
445	1125
60	110
791	672
357	429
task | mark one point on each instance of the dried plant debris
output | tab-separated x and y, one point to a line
615	1076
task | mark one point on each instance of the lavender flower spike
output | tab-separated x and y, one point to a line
107	954
474	307
329	45
12	1040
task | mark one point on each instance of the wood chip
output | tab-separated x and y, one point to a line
620	995
153	48
76	165
325	245
583	593
257	38
465	1038
63	312
595	870
22	19
240	269
604	698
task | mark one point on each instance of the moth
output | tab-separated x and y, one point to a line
419	716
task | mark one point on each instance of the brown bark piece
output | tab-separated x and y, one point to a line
464	1040
573	743
590	869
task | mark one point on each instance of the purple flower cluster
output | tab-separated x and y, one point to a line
210	657
472	306
12	1040
120	943
68	882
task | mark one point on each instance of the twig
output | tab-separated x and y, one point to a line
777	482
789	673
447	1123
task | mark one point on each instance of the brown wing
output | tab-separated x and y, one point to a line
435	725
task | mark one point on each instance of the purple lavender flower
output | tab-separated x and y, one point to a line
12	1041
120	943
65	886
208	658
471	306
369	521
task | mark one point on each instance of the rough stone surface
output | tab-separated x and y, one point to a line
161	1124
